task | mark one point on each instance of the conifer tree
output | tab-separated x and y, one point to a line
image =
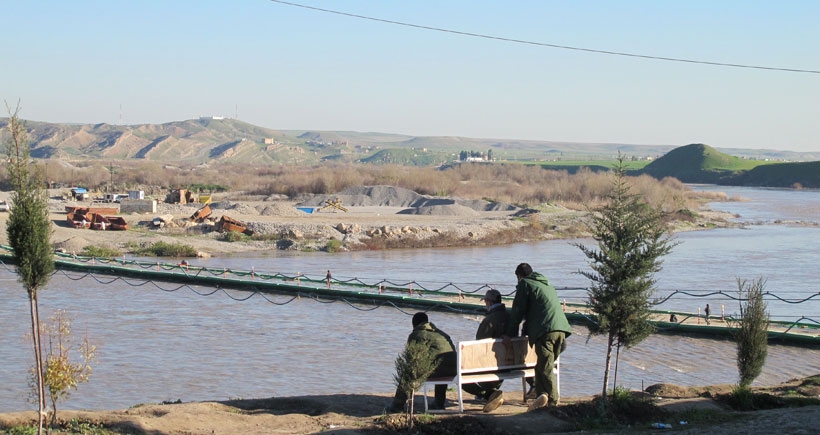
28	230
631	238
413	366
751	332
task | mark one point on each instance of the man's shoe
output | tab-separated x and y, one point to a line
531	394
494	401
540	402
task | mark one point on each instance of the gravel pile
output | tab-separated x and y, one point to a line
391	196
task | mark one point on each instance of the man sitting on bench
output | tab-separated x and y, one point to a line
493	325
442	347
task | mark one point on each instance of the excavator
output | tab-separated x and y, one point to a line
335	204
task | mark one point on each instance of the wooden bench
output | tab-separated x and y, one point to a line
488	360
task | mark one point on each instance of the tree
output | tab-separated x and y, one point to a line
413	366
61	373
28	229
752	331
631	240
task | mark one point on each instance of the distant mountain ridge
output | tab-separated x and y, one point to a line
207	139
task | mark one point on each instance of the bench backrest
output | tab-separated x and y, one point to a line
492	354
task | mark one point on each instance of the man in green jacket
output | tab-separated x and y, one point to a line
494	325
536	303
440	346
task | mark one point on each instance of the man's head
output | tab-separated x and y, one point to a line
420	318
523	270
492	296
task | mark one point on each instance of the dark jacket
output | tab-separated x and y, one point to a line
494	324
536	303
435	339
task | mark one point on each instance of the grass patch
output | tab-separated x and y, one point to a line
746	399
72	427
164	249
100	252
233	236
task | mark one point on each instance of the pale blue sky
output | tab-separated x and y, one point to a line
290	68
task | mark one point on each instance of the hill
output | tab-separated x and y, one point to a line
206	139
699	163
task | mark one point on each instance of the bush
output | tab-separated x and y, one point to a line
163	249
333	245
100	252
232	236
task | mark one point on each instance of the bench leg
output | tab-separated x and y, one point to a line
425	398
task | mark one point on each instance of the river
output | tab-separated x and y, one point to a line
159	341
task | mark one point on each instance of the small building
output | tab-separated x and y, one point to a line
136	194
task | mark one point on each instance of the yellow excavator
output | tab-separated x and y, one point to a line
335	204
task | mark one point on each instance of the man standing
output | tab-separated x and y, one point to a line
536	303
441	347
708	312
494	325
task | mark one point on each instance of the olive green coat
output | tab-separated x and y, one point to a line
536	303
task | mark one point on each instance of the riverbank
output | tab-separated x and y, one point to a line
702	409
374	218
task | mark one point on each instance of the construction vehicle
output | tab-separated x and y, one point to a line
334	204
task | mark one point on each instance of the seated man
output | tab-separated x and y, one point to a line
493	325
442	347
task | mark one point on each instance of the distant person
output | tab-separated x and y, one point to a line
494	325
707	312
328	277
442	347
536	303
673	318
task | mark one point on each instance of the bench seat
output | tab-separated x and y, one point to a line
490	360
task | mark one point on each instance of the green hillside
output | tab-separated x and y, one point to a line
793	175
697	163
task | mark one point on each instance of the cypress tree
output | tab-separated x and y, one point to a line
631	238
28	229
751	332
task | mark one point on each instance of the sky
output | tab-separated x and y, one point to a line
287	67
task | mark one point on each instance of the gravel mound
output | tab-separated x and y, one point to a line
280	209
441	210
368	196
237	207
391	196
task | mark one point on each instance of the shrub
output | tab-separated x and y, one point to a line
163	249
751	331
100	252
232	236
333	245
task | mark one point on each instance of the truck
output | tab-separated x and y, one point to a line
114	197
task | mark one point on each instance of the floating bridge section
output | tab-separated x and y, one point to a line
448	299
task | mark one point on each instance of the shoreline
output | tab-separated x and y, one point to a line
361	413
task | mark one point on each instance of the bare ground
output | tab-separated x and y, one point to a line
362	414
